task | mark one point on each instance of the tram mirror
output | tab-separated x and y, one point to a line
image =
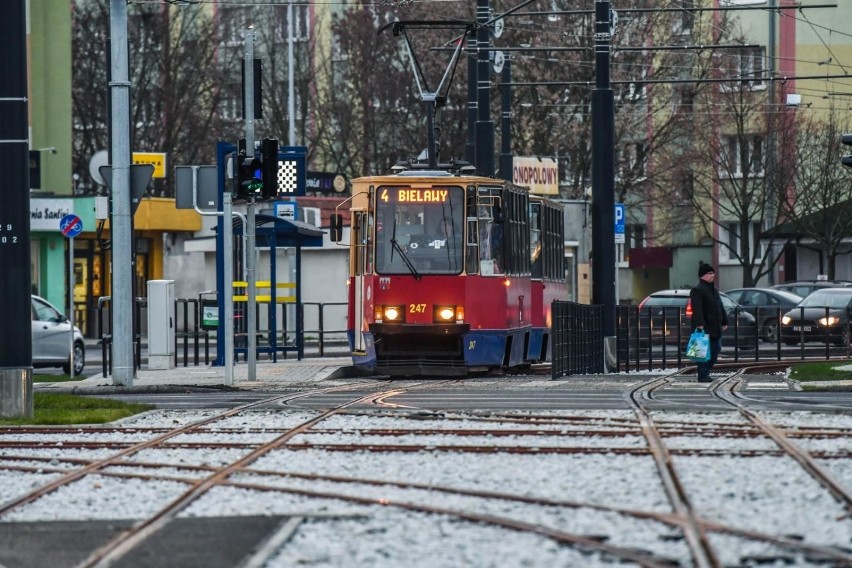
336	233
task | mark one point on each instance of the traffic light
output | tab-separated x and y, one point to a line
269	157
847	159
249	177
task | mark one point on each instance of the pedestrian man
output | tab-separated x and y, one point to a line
708	315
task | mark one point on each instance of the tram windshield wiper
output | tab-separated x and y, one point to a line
405	258
398	248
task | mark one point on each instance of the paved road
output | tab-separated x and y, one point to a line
769	392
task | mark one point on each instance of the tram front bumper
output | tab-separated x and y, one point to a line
409	350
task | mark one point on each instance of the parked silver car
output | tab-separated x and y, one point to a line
51	339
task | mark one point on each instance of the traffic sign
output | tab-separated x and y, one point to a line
285	210
140	177
619	222
71	225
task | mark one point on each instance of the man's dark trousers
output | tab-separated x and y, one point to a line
704	368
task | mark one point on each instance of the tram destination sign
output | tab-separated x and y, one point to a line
433	195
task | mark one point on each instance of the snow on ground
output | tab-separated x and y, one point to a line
763	493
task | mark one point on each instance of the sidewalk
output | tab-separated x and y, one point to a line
269	376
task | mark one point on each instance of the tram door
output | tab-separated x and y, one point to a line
360	240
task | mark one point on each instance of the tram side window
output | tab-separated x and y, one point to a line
472	248
535	241
553	240
491	259
517	222
368	246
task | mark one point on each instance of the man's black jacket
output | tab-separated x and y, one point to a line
707	309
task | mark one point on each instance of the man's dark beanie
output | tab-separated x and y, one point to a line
704	268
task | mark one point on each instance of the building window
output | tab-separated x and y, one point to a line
742	155
685	99
746	64
683	20
300	24
731	247
685	188
232	103
630	160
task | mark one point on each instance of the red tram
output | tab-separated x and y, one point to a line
451	273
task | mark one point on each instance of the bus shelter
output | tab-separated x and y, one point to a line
272	233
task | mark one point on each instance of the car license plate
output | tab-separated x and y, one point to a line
800	328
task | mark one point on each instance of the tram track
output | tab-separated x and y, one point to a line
350	433
561	536
726	390
126	541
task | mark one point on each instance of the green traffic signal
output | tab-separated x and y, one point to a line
250	178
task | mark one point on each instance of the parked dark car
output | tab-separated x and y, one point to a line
767	305
668	309
804	288
822	316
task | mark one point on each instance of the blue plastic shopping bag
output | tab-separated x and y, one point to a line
698	348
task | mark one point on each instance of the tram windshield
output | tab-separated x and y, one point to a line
419	230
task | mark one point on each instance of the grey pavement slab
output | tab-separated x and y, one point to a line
268	375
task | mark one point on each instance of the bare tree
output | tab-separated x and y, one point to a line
176	73
369	114
737	180
820	210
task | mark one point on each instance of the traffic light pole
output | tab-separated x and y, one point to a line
251	256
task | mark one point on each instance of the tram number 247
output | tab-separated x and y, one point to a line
416	308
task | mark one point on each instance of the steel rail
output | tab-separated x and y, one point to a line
696	538
726	390
663	517
158	440
827	552
124	542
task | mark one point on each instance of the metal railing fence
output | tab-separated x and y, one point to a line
578	342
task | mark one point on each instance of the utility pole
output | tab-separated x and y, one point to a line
291	91
472	114
251	256
771	216
603	173
506	121
484	124
123	369
16	361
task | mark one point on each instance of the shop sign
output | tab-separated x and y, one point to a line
45	214
541	175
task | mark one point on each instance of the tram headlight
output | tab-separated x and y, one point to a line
445	314
390	314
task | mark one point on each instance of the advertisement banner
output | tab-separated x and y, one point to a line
541	175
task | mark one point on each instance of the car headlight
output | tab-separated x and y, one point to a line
391	314
829	321
446	314
786	320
